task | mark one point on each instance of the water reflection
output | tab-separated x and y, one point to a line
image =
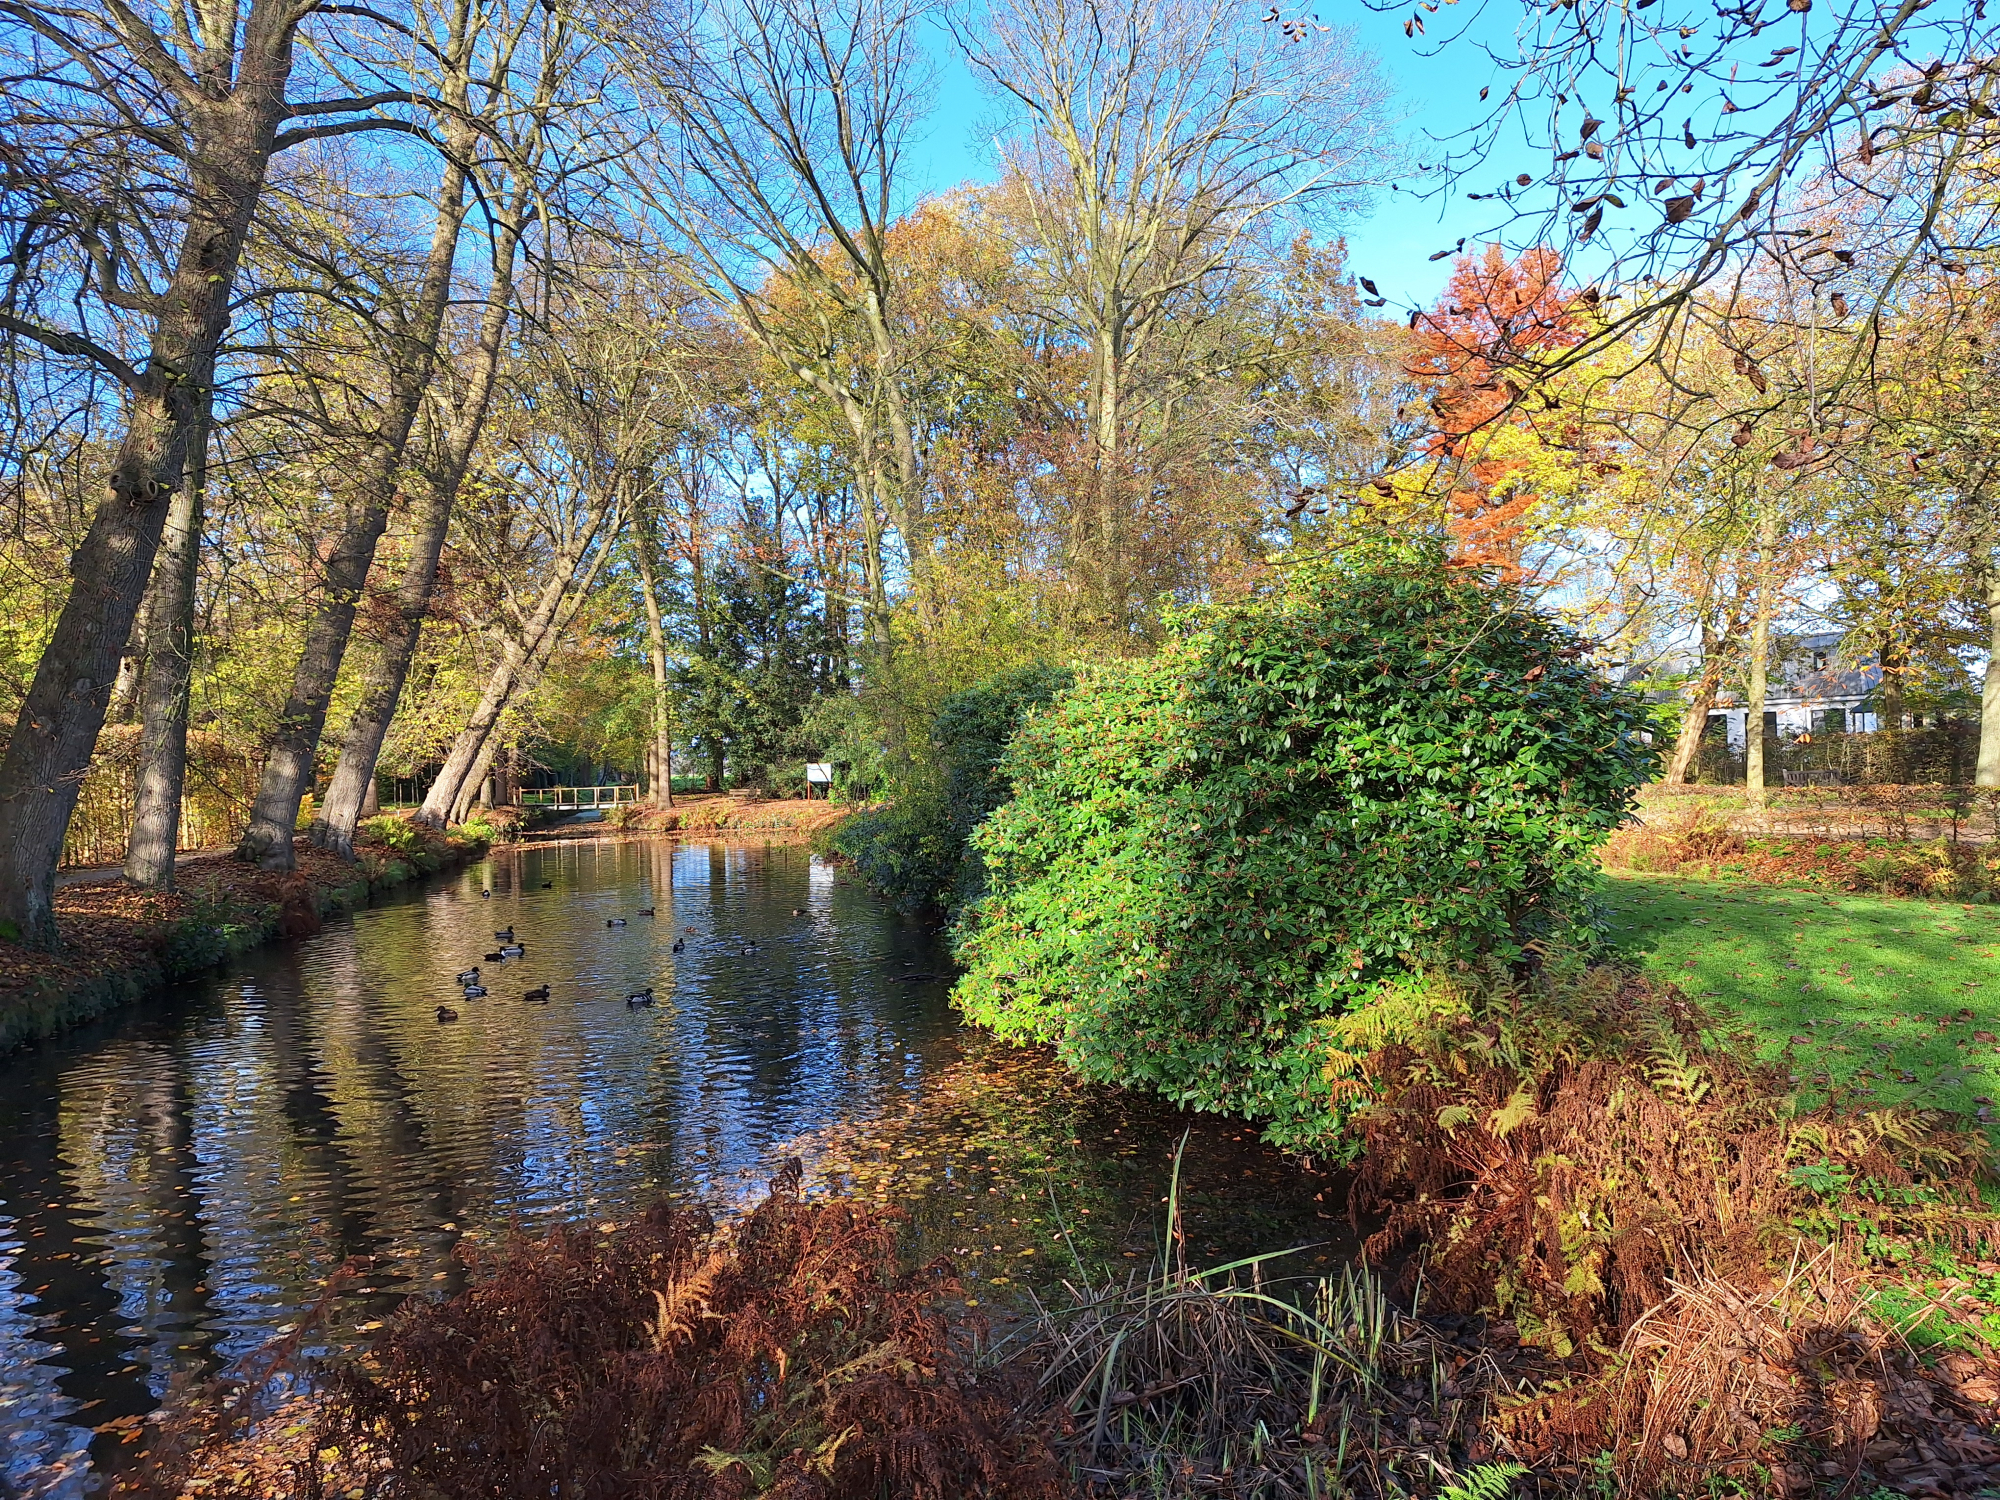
175	1187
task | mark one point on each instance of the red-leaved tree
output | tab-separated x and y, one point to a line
1495	320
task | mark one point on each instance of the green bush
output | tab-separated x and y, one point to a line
915	851
1381	767
192	946
398	835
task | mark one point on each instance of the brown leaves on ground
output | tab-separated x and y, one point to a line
108	926
1723	1381
791	1358
788	819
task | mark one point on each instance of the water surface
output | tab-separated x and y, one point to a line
178	1183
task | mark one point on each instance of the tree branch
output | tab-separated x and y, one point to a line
75	345
289	138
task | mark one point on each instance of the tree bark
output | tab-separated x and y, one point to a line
1694	723
1760	664
515	677
126	687
442	798
233	140
382	690
517	658
656	649
156	813
288	768
347	794
1988	770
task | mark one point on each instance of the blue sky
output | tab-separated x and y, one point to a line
1392	244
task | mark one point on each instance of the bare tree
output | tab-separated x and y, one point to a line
476	50
508	133
139	141
778	179
1160	144
1682	150
591	410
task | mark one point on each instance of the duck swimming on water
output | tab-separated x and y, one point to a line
494	958
539	996
513	950
645	911
475	991
680	944
505	934
644	997
614	921
446	1013
468	976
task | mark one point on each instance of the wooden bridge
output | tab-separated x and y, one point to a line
577	798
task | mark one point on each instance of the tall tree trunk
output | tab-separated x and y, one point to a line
347	794
554	608
156	811
475	747
1987	573
1760	664
473	788
442	798
288	767
64	708
1694	722
656	650
125	688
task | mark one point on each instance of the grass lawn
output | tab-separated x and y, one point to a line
1897	999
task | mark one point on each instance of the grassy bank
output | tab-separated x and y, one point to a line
1895	1000
121	944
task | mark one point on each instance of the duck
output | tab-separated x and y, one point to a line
513	950
487	894
614	921
475	991
505	934
680	944
645	911
539	996
548	885
468	976
798	911
644	997
446	1013
494	958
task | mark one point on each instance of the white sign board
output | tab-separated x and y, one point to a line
819	773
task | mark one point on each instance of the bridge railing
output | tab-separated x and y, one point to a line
571	798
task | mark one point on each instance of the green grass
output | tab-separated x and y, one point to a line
1880	995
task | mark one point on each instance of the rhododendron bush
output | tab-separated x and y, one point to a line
1381	765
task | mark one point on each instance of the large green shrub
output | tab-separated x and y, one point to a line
915	850
1380	767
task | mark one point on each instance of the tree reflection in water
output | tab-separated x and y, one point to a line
177	1183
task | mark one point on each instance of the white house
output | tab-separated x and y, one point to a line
1808	694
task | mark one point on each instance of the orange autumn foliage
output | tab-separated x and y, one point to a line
1494	315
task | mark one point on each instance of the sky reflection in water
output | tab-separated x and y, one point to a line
177	1185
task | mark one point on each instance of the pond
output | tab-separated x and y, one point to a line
179	1183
